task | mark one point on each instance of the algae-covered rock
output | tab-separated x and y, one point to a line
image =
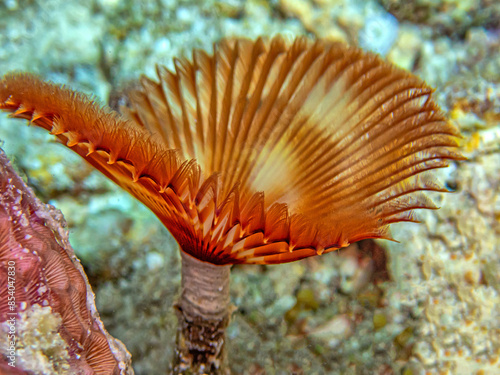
452	17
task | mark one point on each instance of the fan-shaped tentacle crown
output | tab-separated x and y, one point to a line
264	152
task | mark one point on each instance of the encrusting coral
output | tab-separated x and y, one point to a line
267	151
51	315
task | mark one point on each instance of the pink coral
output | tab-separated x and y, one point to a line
38	264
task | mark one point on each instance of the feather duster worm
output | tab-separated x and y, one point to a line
39	267
264	152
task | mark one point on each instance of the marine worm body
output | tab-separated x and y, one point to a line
266	151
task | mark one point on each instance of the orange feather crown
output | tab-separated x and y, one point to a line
264	152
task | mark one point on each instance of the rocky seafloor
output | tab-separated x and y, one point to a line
432	310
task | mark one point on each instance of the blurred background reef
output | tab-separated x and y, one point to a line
424	305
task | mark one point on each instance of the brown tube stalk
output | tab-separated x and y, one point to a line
203	311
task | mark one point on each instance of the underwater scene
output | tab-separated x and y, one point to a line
269	187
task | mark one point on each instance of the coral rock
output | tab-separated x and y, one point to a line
51	290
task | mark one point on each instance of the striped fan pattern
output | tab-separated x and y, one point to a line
264	151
